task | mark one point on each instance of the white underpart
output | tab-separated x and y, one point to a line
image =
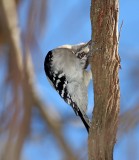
87	77
78	78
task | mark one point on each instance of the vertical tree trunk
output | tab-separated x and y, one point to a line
105	66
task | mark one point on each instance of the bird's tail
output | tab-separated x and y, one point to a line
86	121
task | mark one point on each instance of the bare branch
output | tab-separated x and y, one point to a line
120	30
24	82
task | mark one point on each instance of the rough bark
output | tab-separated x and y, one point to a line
105	67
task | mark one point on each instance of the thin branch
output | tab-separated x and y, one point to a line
25	78
120	30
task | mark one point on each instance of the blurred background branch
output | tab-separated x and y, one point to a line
21	79
30	126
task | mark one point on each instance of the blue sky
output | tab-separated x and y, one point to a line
68	22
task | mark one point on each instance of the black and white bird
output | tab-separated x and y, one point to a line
65	68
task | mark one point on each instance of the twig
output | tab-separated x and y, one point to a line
120	30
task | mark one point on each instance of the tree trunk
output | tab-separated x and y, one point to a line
105	67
